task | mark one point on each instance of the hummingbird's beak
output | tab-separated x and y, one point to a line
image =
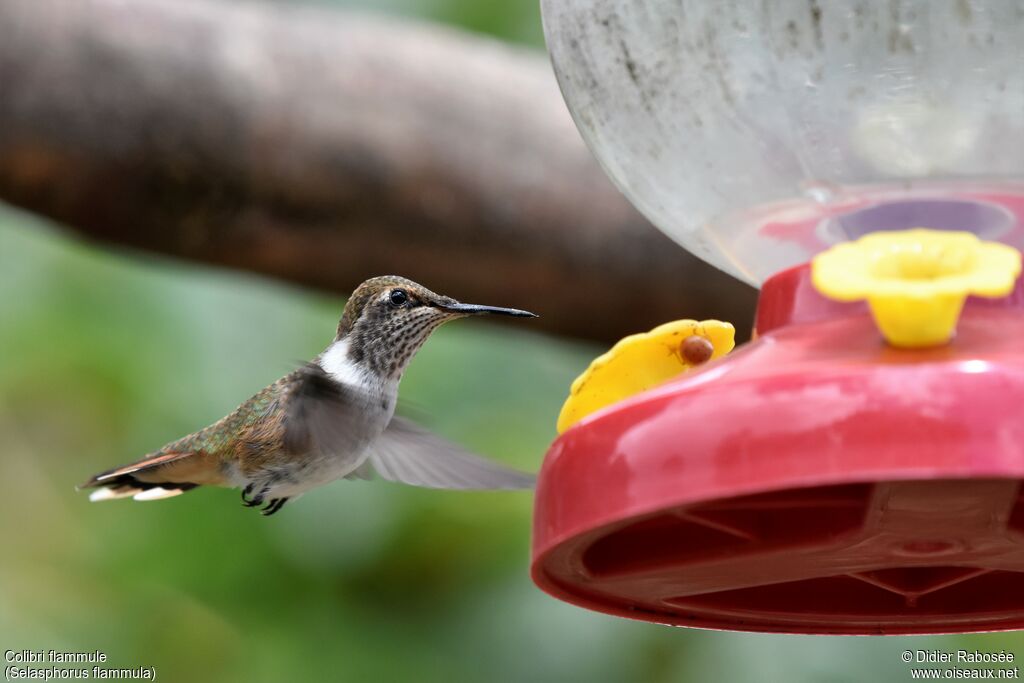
473	309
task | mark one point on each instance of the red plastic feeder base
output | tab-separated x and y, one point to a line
814	481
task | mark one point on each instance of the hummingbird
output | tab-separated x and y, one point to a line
332	418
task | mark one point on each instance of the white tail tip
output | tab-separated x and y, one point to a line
112	494
157	493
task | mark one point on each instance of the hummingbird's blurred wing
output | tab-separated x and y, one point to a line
410	454
320	416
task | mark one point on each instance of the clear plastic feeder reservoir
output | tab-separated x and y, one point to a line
857	468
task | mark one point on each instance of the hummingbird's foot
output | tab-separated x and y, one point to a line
254	501
273	506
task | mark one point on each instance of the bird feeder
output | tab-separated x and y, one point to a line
856	469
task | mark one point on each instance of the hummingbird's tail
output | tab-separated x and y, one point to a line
148	479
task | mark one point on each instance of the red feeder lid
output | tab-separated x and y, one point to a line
814	481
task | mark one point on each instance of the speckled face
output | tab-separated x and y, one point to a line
395	318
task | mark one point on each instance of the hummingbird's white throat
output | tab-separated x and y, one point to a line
337	363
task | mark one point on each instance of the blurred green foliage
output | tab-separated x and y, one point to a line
513	20
104	357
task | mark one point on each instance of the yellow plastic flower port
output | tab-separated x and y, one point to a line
916	281
641	361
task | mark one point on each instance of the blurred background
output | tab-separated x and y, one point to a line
105	355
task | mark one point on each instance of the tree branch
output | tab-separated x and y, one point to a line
323	148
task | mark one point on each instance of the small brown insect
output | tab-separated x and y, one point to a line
696	349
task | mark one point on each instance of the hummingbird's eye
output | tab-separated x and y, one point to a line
398	297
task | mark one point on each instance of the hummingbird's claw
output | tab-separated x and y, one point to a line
273	506
255	501
251	501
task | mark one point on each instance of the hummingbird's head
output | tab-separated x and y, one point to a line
388	318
